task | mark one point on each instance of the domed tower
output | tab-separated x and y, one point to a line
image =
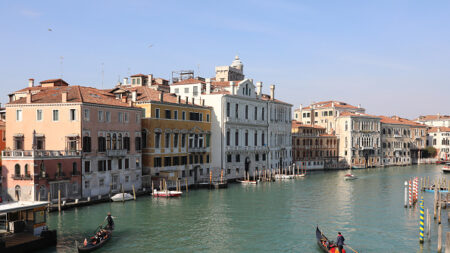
237	64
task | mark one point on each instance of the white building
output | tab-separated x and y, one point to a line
250	131
439	138
434	120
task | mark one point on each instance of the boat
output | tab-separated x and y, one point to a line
166	194
247	181
350	177
122	197
282	176
431	189
357	167
446	168
326	245
92	244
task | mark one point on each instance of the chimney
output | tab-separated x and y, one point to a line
125	81
124	99
438	116
29	97
179	99
31	82
332	104
203	102
187	100
359	105
258	88
208	85
301	107
193	101
232	88
149	79
272	92
161	96
133	96
64	96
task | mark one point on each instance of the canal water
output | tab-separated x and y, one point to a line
268	217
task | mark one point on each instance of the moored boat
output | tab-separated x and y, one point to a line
247	181
166	194
122	197
282	176
95	242
446	168
326	245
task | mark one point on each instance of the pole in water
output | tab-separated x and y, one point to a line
439	246
421	221
406	194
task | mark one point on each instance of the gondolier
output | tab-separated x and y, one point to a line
340	242
110	221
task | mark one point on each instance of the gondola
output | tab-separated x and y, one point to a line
91	247
325	244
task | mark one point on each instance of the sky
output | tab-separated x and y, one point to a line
392	57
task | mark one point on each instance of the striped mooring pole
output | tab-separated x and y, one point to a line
410	193
421	222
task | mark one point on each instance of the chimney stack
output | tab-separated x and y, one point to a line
124	99
301	107
272	92
125	81
31	82
179	99
208	85
203	102
187	100
29	97
161	96
259	88
133	96
149	79
193	101
64	96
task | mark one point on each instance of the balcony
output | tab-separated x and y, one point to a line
40	153
116	152
199	149
397	136
22	177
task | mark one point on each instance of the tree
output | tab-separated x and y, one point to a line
430	152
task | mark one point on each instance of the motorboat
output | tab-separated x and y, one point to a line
247	181
350	177
282	176
446	168
166	194
122	197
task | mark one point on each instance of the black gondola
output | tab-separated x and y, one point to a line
325	244
94	244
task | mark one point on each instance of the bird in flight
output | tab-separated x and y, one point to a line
151	45
50	29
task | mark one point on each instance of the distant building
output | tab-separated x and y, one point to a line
434	120
439	138
324	113
176	136
313	148
396	141
359	139
73	139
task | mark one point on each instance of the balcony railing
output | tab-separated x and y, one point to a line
39	153
199	149
22	177
116	152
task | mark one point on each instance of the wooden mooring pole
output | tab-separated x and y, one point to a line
187	190
59	200
447	243
439	245
134	193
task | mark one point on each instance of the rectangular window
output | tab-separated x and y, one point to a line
228	158
195	91
228	109
262	113
86	114
238	158
256	139
200	117
175	140
18	115
256	113
183	115
157	113
228	138
183	140
100	116
157	162
167	161
120	115
73	114
177	90
168	114
127	163
109	164
87	166
175	114
237	111
236	138
127	117
157	140
186	90
39	115
207	117
246	112
108	116
119	162
86	184
194	116
55	115
167	140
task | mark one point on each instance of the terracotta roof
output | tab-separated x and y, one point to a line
432	117
399	121
75	94
439	129
220	84
189	81
343	114
330	103
296	124
138	75
53	80
267	98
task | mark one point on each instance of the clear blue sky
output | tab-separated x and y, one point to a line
392	57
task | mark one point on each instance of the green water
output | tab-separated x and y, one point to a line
268	217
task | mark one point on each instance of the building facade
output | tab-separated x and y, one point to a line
439	138
359	140
313	148
324	113
73	139
396	141
434	120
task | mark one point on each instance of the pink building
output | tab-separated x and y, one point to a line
79	140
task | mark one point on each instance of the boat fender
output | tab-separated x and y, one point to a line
85	242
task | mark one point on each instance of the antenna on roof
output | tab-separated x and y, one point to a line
103	73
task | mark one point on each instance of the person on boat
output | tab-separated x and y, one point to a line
340	242
110	221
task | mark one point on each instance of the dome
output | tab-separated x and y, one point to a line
237	63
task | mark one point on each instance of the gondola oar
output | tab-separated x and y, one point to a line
351	248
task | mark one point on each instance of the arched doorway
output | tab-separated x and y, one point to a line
17	192
247	166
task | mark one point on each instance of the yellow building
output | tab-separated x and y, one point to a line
175	133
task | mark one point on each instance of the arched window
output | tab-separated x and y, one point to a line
27	172
144	138
120	146
42	192
42	170
17	170
74	168
108	141
114	142
17	192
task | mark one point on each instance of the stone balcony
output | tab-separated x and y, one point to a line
39	153
116	152
246	149
199	149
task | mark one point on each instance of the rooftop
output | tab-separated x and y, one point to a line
399	121
432	117
20	205
439	129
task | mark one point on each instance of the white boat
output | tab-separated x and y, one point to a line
166	194
282	176
247	181
350	177
122	197
446	168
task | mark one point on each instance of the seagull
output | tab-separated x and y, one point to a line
151	45
50	30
